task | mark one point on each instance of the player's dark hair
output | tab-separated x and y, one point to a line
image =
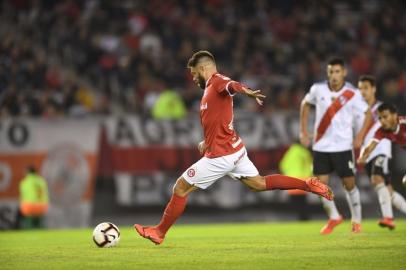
336	61
387	106
367	78
194	60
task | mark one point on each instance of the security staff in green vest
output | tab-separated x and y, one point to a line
297	162
34	199
169	105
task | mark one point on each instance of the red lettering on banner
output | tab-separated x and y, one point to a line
337	104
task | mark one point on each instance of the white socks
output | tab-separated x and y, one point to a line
384	200
399	202
330	208
354	202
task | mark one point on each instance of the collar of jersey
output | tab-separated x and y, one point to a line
207	82
329	88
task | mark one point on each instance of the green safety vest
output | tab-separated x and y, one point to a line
33	189
169	105
297	162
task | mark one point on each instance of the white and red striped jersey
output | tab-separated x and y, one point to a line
335	113
384	147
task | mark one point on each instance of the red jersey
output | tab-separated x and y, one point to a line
398	136
216	116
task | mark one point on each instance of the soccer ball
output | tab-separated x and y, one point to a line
106	234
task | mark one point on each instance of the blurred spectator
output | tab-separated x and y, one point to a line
118	48
33	200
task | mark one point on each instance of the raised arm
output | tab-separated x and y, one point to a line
233	86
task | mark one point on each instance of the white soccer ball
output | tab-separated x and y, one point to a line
106	234
404	180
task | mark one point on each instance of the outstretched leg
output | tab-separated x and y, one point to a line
313	184
283	182
173	210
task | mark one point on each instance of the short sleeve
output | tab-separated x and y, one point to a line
311	96
221	83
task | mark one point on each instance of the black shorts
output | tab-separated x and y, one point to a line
379	165
340	162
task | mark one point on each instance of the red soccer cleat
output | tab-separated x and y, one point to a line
356	227
387	222
319	188
149	233
331	224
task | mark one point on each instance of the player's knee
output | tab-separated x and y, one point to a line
348	182
180	191
181	188
257	184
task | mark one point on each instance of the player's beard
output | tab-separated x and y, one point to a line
201	82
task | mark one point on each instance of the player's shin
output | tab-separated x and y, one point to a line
384	200
354	202
173	210
399	202
330	208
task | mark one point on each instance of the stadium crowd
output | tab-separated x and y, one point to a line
75	57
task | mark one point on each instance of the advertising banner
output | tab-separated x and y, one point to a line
146	157
65	153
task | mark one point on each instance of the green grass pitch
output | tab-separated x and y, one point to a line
289	245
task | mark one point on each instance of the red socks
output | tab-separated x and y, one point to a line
278	181
172	211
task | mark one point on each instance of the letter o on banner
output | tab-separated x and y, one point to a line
18	134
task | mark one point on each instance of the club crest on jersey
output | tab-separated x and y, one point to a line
191	172
342	100
203	106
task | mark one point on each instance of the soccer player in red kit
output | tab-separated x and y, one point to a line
223	150
393	128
